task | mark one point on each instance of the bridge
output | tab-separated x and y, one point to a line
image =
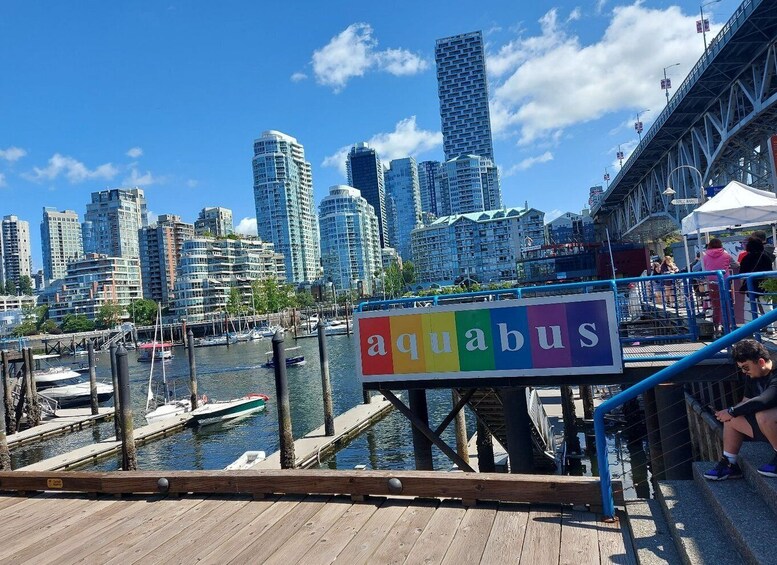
718	127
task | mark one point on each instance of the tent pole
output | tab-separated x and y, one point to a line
687	256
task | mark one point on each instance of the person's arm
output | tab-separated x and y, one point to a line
767	399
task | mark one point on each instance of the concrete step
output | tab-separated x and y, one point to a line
653	541
745	517
698	536
753	455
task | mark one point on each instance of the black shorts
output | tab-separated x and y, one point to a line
758	435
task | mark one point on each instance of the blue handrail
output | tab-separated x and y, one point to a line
660	377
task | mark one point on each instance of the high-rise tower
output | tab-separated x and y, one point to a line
285	212
61	242
404	202
365	172
15	249
117	215
463	92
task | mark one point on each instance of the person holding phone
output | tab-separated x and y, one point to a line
755	417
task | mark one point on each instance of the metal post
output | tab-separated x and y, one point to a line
675	436
10	422
422	447
461	429
129	454
115	381
286	439
326	385
485	446
92	379
519	444
192	369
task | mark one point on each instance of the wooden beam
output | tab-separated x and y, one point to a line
533	489
456	409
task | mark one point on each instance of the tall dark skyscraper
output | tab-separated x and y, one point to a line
463	91
365	172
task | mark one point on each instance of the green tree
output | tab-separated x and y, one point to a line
25	285
394	281
234	302
273	295
109	315
408	274
144	312
79	323
305	299
259	298
49	327
10	287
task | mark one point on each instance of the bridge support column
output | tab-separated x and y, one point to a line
519	443
675	436
422	446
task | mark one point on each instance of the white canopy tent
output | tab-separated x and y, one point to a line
737	205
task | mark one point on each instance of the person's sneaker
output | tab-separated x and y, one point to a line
770	469
724	470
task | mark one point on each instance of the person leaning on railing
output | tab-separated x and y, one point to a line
717	259
755	417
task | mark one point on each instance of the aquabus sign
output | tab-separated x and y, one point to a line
559	335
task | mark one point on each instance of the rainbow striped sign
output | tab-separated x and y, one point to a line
557	335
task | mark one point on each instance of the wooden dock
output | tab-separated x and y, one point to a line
91	453
67	420
306	517
309	450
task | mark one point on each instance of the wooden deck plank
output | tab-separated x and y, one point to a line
436	538
331	544
65	527
612	547
370	535
219	524
272	539
127	535
7	500
472	535
579	544
308	535
507	534
407	529
36	512
542	543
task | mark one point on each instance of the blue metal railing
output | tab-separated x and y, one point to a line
663	376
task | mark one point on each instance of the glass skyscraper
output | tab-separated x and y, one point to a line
61	242
463	92
350	245
429	186
283	195
15	249
117	215
365	173
404	203
470	184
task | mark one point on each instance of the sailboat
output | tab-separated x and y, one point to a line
160	408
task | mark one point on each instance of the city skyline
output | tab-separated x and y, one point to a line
91	110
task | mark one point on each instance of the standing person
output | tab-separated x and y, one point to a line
755	417
717	259
668	267
755	260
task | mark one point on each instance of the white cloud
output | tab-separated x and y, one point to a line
553	214
135	152
552	81
73	170
353	52
152	217
247	226
2	180
191	183
297	77
135	178
528	163
405	141
12	154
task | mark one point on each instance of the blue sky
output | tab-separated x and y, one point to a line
169	96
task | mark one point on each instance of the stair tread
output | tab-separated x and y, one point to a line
753	455
743	513
651	534
697	534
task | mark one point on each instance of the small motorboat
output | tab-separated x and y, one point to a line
218	411
216	340
168	409
161	351
246	461
77	394
291	360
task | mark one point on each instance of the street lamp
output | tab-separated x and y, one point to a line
666	83
606	177
670	191
703	25
638	124
619	155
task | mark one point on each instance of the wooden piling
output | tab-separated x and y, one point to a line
422	446
569	417
485	445
326	385
286	439
192	369
653	434
115	381
33	403
92	379
587	396
10	422
128	452
675	437
518	423
5	454
462	447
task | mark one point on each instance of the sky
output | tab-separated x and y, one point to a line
169	96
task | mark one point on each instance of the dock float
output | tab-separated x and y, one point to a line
309	450
67	420
91	453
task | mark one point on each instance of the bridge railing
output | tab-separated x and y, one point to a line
663	376
749	300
